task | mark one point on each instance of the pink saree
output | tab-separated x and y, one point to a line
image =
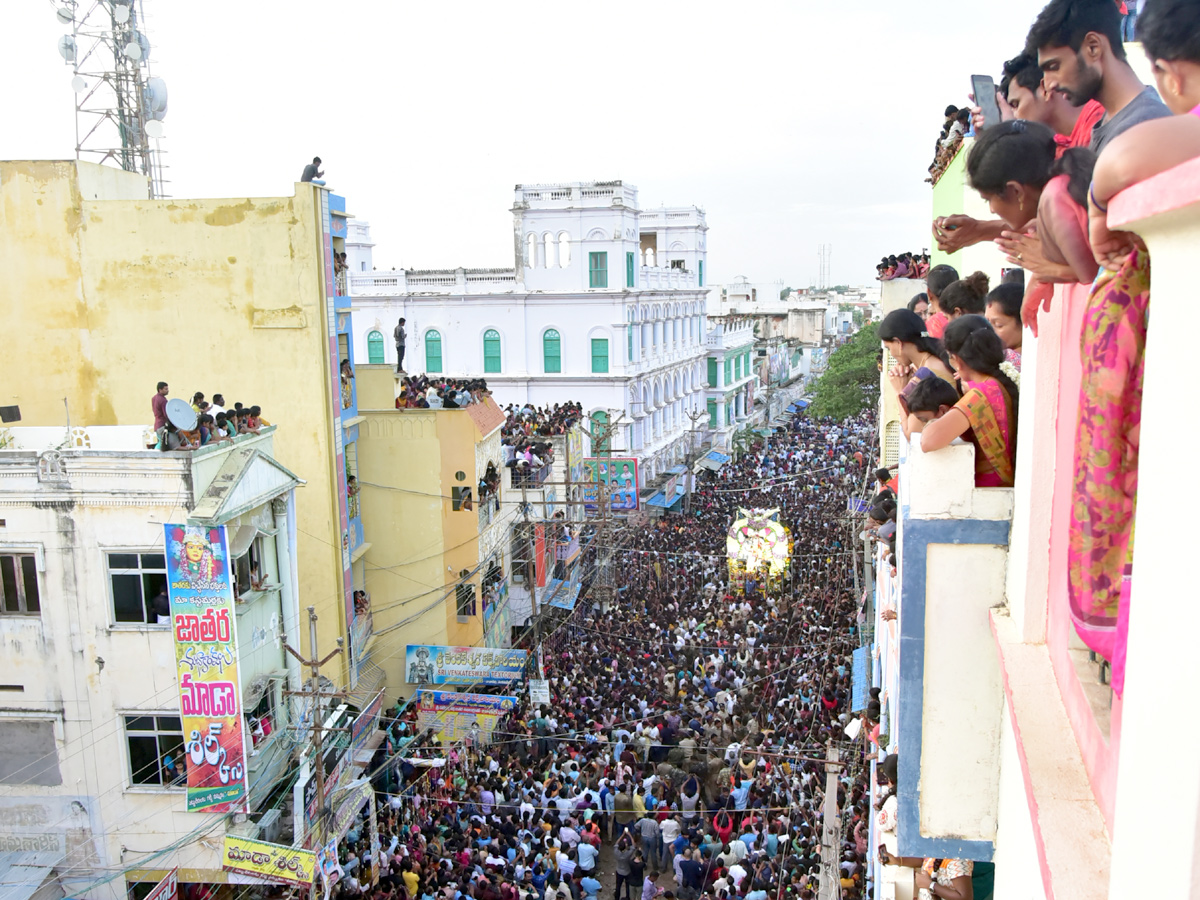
1100	552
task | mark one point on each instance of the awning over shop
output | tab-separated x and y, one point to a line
661	501
677	470
23	873
370	680
798	405
713	460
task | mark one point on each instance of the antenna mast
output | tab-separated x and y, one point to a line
119	106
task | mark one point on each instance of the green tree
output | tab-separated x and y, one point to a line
851	381
785	293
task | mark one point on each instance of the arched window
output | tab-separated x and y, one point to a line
531	245
433	351
649	263
551	352
600	444
375	348
548	249
491	351
564	249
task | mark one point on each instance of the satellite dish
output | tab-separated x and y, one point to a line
78	84
181	415
154	128
66	48
66	15
132	51
120	14
156	98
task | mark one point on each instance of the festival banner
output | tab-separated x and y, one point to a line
204	624
435	664
273	862
455	715
575	467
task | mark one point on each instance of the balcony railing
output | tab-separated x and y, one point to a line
666	279
528	476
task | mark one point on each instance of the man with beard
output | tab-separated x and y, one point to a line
1078	45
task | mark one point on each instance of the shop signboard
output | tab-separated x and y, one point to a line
436	664
272	862
204	625
167	889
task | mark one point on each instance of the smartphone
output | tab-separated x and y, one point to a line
985	98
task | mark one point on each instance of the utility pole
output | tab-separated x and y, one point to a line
695	415
830	827
531	576
315	693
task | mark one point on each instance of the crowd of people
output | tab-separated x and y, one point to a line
213	424
906	265
956	127
1079	126
523	425
439	392
683	750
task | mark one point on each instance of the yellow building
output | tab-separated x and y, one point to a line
441	578
107	293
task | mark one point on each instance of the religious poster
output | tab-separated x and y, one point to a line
621	476
435	664
204	625
456	716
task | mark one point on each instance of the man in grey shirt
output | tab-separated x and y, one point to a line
1078	45
400	334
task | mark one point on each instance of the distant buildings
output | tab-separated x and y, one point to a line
605	306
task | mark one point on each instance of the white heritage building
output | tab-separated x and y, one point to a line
605	306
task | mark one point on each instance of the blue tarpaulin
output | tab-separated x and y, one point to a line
562	594
660	499
798	405
861	682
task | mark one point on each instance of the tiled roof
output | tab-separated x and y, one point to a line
486	416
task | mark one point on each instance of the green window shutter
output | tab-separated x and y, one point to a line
712	413
552	352
491	351
598	270
728	371
712	372
375	348
629	336
701	273
630	272
599	356
433	351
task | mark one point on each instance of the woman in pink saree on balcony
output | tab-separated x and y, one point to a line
1114	340
987	413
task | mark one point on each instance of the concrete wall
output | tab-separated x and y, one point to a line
113	293
952	195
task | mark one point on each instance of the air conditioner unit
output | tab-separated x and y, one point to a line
270	825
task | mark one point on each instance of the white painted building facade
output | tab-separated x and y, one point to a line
92	701
605	306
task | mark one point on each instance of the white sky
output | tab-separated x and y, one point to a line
793	124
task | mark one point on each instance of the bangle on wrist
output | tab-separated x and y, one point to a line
1095	202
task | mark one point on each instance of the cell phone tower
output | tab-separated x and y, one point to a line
824	256
119	105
